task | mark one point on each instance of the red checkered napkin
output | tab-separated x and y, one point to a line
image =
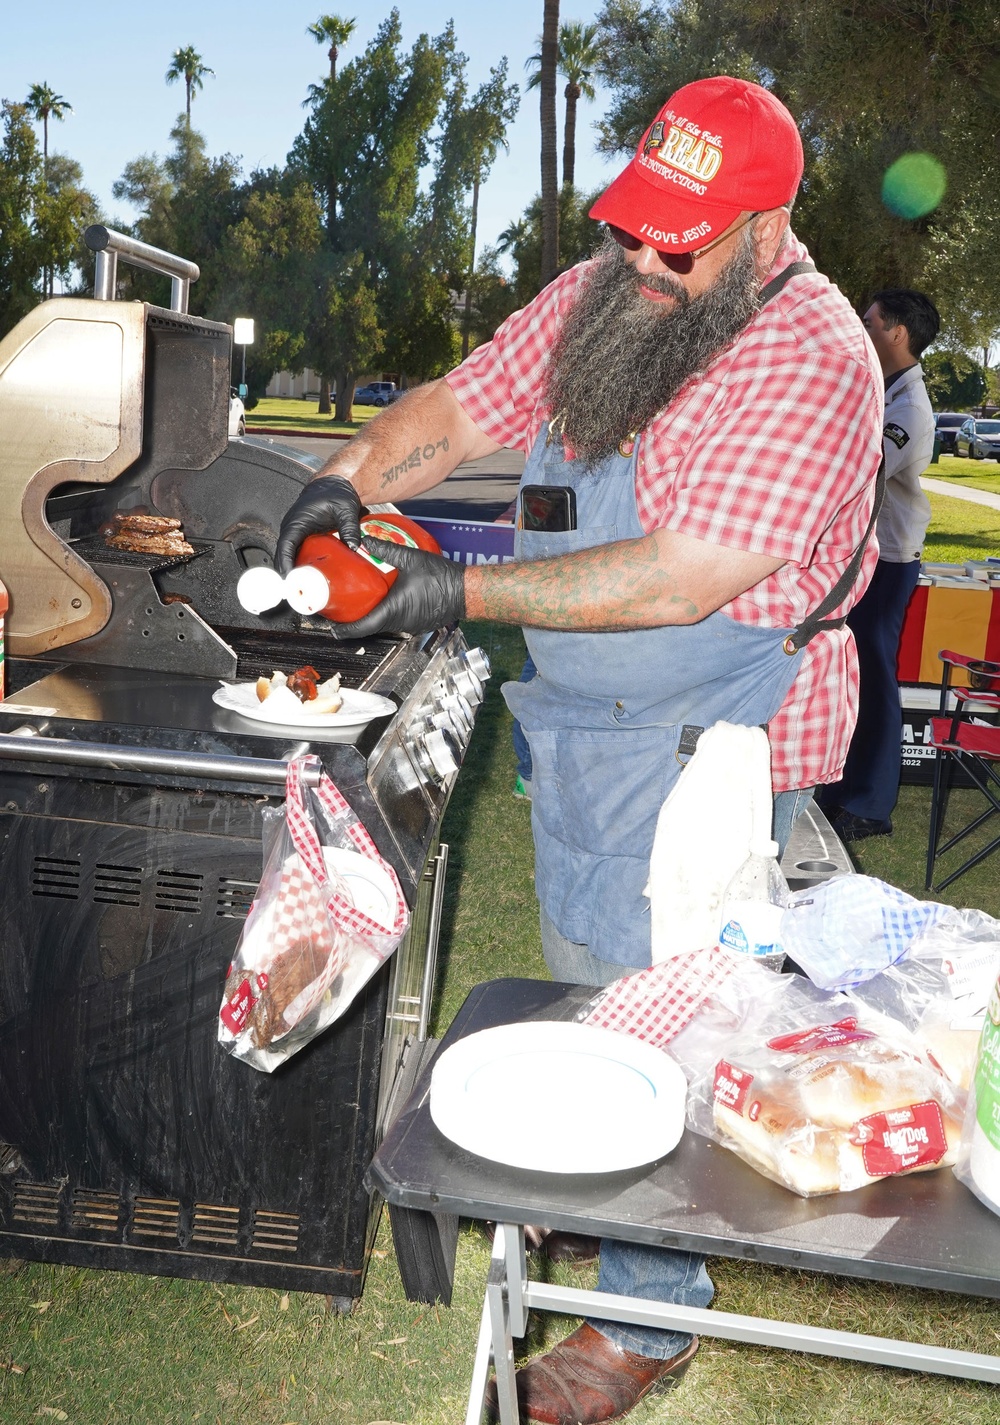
658	1003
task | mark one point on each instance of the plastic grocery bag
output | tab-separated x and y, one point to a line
329	910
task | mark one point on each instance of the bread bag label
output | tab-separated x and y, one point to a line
820	1036
902	1139
732	1085
236	1010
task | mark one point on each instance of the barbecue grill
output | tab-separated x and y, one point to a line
131	810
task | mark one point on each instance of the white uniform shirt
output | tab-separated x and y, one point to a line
908	442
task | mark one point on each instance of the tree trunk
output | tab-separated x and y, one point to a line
572	93
345	395
549	153
324	396
467	320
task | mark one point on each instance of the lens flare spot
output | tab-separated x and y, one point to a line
914	185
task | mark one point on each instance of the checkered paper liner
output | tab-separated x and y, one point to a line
656	1004
300	904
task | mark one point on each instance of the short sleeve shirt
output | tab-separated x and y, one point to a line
772	449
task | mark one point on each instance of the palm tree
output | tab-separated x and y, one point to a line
335	31
547	107
43	103
186	64
579	54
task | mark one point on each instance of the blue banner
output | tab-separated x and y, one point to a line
466	542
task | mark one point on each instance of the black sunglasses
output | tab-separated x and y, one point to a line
680	262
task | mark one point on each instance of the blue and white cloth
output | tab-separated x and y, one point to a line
844	931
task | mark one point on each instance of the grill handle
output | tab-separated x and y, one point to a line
23	746
109	245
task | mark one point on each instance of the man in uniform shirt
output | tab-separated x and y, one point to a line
901	323
710	406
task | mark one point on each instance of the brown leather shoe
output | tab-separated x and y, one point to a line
571	1247
586	1380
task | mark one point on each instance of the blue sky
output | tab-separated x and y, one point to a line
109	62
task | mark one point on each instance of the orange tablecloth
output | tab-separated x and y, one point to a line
965	620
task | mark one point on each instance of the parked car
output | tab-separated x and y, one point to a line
237	415
377	393
946	424
978	439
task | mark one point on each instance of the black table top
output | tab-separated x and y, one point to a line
924	1230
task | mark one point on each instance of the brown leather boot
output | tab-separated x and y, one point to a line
586	1380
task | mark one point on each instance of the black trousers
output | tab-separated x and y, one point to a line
870	782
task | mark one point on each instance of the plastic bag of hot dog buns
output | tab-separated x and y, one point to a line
328	912
816	1091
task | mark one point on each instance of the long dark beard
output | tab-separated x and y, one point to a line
621	358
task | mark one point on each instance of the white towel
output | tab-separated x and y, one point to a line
719	803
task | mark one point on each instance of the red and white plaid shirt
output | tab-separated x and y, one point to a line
772	449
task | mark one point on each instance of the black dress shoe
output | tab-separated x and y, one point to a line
857	828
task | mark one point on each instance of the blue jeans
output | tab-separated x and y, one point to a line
522	751
631	1268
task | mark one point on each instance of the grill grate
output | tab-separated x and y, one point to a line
95	551
261	652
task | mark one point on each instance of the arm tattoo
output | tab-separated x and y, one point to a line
419	455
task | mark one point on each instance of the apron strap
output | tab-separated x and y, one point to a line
817	622
772	288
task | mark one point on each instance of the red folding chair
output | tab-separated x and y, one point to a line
957	737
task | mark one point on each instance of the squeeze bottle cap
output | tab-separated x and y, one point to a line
260	589
764	847
307	590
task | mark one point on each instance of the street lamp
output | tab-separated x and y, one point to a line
243	336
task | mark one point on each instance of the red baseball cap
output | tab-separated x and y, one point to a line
718	148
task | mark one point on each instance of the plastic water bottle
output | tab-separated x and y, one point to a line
752	907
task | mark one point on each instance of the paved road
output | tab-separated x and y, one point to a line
478	490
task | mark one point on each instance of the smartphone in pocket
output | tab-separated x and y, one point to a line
549	508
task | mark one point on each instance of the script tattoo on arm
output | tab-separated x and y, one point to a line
418	456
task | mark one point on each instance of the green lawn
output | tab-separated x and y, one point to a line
302	415
99	1348
973	474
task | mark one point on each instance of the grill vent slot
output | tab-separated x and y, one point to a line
215	1223
235	897
275	1231
117	885
36	1203
179	890
95	1210
156	1217
55	877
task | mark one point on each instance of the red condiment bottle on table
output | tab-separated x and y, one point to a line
3	641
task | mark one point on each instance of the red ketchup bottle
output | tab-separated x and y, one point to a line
342	584
3	642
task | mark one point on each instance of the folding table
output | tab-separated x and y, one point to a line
924	1230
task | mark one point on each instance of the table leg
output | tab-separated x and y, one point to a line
505	1315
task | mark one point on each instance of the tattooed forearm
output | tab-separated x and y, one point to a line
418	456
606	589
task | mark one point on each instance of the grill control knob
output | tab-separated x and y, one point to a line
464	681
478	662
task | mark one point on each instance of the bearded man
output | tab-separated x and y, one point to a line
715	408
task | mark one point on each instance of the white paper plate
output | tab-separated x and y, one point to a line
358	708
559	1098
369	884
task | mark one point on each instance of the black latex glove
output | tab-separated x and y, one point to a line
429	591
330	503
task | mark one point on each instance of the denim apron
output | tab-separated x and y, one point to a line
611	718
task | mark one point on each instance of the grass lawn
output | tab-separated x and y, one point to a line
300	415
973	474
101	1348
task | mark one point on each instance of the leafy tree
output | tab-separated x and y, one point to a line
522	241
867	84
40	220
954	381
187	64
579	56
549	58
371	131
334	31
